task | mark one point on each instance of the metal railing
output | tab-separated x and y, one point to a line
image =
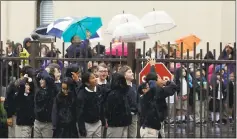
137	60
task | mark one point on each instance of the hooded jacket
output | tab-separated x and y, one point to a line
26	40
153	105
25	105
117	108
44	98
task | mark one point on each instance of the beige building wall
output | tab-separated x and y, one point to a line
212	21
17	19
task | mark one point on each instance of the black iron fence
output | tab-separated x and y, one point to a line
208	107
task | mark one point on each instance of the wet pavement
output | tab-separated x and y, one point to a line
192	130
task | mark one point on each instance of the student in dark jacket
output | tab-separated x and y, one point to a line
43	105
80	49
10	107
64	113
218	94
88	107
153	104
25	108
102	81
118	111
230	100
10	103
126	71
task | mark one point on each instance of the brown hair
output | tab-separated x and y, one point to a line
124	69
102	65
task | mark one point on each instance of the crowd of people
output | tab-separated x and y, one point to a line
89	102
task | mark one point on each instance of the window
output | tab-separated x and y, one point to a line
44	10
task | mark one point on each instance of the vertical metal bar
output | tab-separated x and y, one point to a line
123	49
6	65
168	66
150	52
63	69
155	49
214	98
227	102
110	47
194	86
181	91
144	53
207	94
221	99
175	96
1	72
234	108
188	91
201	96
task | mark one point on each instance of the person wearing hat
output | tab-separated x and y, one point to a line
27	44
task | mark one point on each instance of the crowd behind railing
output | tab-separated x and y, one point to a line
204	94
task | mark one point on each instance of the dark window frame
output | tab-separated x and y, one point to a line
38	2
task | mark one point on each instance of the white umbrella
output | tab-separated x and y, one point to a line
120	19
130	32
157	22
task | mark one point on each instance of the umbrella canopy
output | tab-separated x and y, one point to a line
118	47
130	32
188	42
80	26
120	19
157	22
57	27
42	29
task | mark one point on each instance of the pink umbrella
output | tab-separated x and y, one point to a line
122	51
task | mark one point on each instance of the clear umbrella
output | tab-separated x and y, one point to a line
157	22
120	19
130	32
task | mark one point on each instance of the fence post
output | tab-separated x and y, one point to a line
138	65
131	55
34	52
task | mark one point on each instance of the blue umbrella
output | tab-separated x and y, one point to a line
57	27
80	26
42	29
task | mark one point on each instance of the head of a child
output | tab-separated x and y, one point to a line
118	81
89	79
198	74
126	71
94	70
54	69
102	71
184	72
232	77
73	71
65	85
218	76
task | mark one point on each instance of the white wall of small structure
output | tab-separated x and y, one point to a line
212	21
